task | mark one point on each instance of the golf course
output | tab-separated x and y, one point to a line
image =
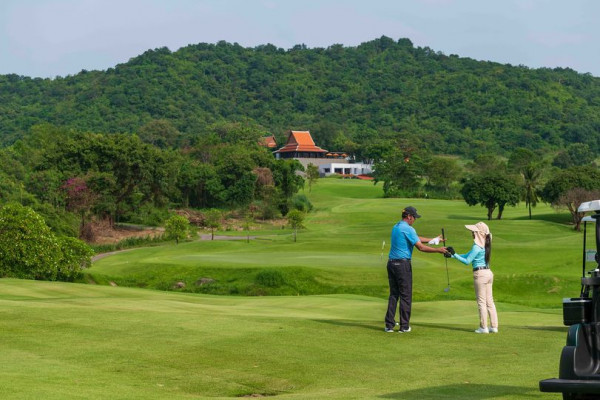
289	316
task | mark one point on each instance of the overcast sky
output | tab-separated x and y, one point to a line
49	38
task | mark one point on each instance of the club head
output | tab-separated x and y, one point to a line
447	289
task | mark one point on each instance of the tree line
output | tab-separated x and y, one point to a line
353	99
171	130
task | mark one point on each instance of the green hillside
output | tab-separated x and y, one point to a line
350	98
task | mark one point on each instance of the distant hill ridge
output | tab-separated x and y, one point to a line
381	90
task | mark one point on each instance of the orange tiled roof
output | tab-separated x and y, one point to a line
300	141
268	141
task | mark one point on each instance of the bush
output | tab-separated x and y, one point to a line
177	227
301	203
29	250
76	256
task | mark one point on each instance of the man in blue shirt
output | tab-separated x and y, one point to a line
399	268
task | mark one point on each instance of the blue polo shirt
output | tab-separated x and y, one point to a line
404	238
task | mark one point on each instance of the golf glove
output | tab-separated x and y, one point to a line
434	241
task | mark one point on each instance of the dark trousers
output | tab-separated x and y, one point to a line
400	279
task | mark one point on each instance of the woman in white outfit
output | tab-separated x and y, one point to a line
483	278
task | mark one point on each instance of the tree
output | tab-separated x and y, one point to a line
177	227
160	133
287	181
486	163
491	191
573	198
399	172
531	180
312	174
576	154
295	221
520	159
213	221
442	171
80	199
248	221
560	191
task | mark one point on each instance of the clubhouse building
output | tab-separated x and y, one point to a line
301	146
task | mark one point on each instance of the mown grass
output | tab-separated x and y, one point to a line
535	261
73	341
319	332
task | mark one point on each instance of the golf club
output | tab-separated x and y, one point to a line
447	289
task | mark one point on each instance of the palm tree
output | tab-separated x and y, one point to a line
531	179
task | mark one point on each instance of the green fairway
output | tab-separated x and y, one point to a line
72	341
312	327
536	262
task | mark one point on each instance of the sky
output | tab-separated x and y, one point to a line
50	38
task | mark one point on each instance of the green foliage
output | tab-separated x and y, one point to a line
301	203
29	250
312	174
491	190
576	154
350	96
212	220
76	256
177	227
441	172
295	219
586	177
400	173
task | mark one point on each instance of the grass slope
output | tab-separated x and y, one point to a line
536	262
72	341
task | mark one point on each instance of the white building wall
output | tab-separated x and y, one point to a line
345	168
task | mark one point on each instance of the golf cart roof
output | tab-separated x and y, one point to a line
593	205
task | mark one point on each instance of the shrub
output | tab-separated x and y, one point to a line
177	227
300	202
75	257
29	250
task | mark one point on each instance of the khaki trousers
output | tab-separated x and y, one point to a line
483	280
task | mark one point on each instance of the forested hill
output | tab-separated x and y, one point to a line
348	97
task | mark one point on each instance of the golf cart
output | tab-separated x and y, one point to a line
579	370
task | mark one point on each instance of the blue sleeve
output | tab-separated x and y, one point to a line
412	236
469	257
